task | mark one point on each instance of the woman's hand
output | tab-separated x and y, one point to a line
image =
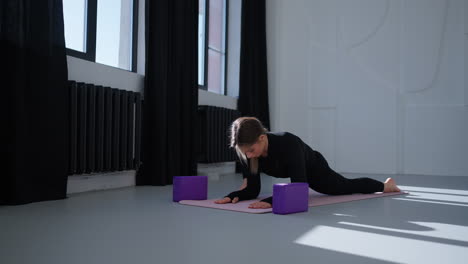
227	200
260	205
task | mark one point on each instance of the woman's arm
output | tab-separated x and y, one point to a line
295	160
250	187
251	190
244	184
236	199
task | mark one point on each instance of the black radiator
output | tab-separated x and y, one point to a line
213	128
105	129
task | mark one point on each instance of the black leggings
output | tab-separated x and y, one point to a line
327	181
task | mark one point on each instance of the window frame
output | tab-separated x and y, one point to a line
207	28
90	35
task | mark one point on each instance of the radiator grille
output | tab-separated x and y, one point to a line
214	123
105	129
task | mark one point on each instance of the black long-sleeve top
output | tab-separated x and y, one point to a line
288	157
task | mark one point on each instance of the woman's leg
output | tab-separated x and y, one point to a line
327	181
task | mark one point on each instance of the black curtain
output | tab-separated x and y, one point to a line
34	107
171	91
253	82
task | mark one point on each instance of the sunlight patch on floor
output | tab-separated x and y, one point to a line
435	195
347	215
433	190
438	197
438	230
382	247
432	202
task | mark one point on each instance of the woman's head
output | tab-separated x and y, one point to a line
248	137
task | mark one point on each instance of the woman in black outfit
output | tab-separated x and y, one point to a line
284	155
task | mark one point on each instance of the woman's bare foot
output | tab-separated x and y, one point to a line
390	186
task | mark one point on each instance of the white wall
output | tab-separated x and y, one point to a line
377	86
100	74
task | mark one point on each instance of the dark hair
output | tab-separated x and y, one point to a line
245	131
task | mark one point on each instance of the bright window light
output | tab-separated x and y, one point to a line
201	41
114	33
217	46
74	16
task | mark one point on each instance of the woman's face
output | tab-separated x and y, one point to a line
255	150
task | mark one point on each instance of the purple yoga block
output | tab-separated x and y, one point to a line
290	198
189	188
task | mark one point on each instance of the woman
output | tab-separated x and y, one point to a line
284	155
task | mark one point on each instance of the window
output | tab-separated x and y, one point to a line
102	31
201	41
214	47
75	21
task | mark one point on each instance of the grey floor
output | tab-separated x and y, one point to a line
143	225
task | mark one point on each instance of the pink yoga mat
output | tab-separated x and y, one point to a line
315	199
